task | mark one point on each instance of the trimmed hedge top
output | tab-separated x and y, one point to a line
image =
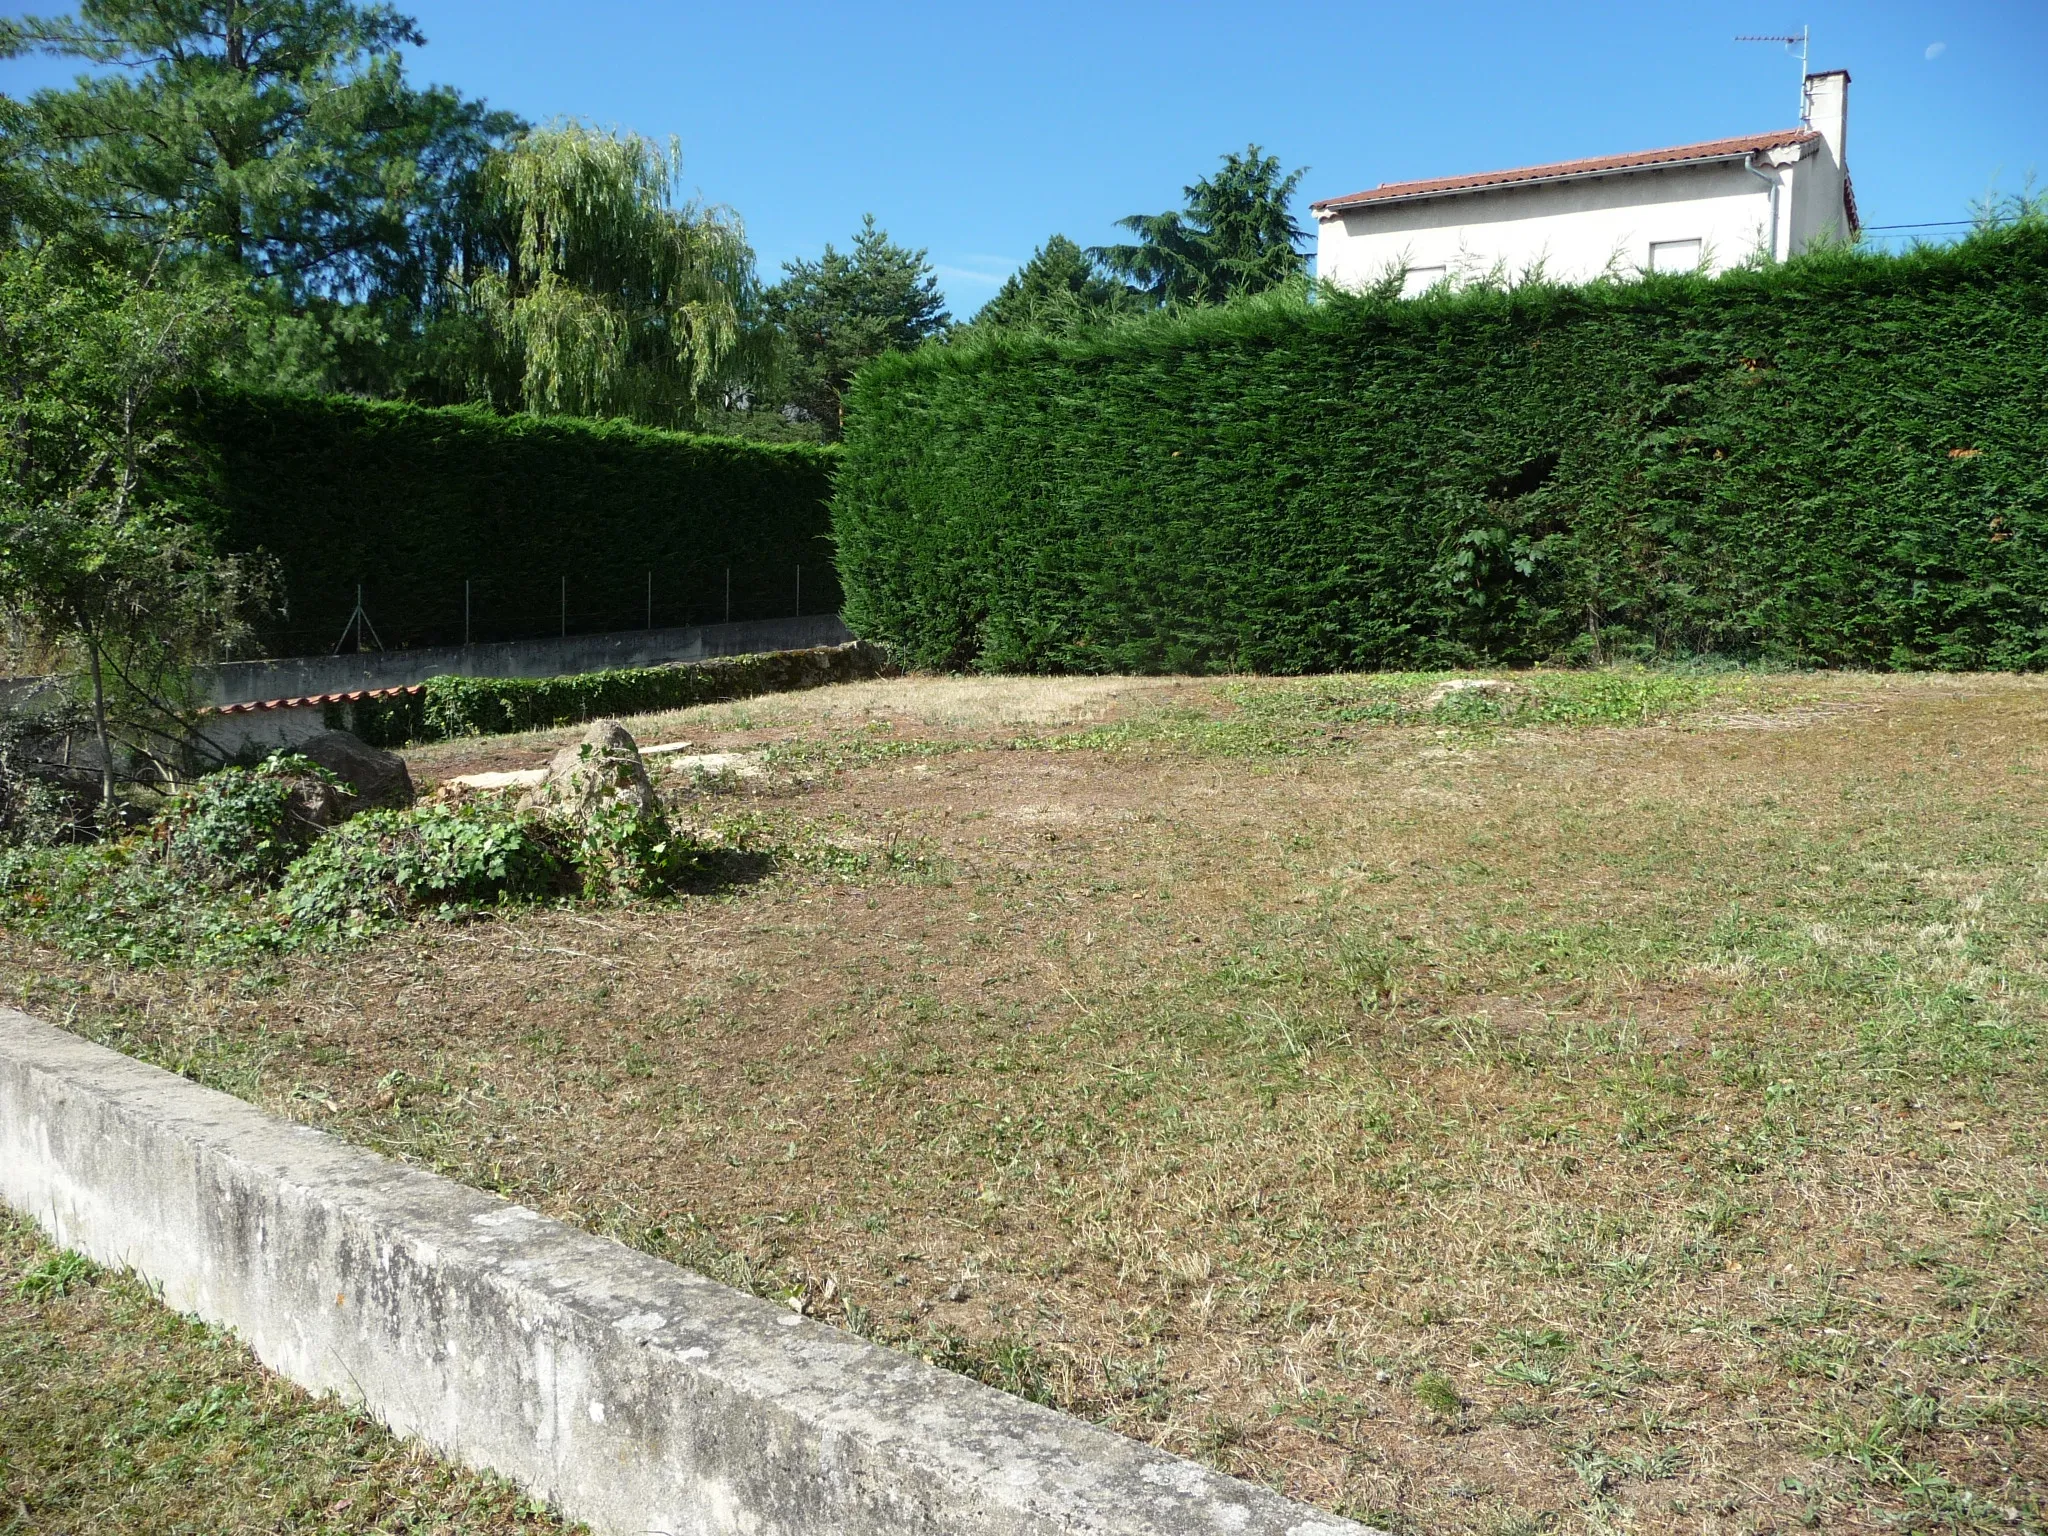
445	707
619	525
1842	460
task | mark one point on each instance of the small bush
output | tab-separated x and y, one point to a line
43	800
39	810
387	865
620	854
244	826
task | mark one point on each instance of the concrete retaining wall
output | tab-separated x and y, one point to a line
640	1397
238	682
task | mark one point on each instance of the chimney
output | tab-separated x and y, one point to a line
1827	111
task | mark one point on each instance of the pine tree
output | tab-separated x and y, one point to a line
277	134
846	307
1061	288
1235	236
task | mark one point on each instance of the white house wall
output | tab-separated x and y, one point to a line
1814	196
1577	230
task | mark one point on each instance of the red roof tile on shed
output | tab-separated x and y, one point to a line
312	700
1714	149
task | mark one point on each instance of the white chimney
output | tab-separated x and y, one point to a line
1827	111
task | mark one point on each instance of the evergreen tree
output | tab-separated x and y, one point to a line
278	135
1061	288
1235	236
839	311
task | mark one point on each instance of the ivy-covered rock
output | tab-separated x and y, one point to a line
245	826
602	773
375	779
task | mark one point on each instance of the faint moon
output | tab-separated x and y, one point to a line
1936	50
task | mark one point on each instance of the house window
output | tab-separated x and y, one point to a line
1674	255
1420	280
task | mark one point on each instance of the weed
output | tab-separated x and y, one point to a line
387	865
1011	1364
1438	1393
56	1275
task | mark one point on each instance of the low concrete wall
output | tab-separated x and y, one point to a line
238	682
638	1396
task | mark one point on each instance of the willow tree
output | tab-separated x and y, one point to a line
616	299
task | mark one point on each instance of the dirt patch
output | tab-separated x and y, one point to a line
942	706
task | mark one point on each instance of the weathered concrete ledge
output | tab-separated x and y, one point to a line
236	682
640	1397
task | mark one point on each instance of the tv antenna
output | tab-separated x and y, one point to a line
1803	41
360	626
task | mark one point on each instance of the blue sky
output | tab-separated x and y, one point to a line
976	130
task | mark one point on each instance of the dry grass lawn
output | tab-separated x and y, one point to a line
1623	1119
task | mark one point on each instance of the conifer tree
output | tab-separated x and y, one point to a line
849	306
279	135
1235	236
1061	288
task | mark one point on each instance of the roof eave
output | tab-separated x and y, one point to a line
1337	205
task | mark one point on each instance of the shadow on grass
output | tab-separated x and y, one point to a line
723	869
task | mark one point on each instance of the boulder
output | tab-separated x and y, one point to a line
314	803
377	780
600	771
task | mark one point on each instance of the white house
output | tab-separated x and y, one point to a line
1698	207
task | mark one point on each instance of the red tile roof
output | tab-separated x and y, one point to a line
1683	154
311	700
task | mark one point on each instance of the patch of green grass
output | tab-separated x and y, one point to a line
1277	717
852	749
56	1276
117	1415
1610	697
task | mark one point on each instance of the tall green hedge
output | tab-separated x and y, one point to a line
1843	460
410	502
